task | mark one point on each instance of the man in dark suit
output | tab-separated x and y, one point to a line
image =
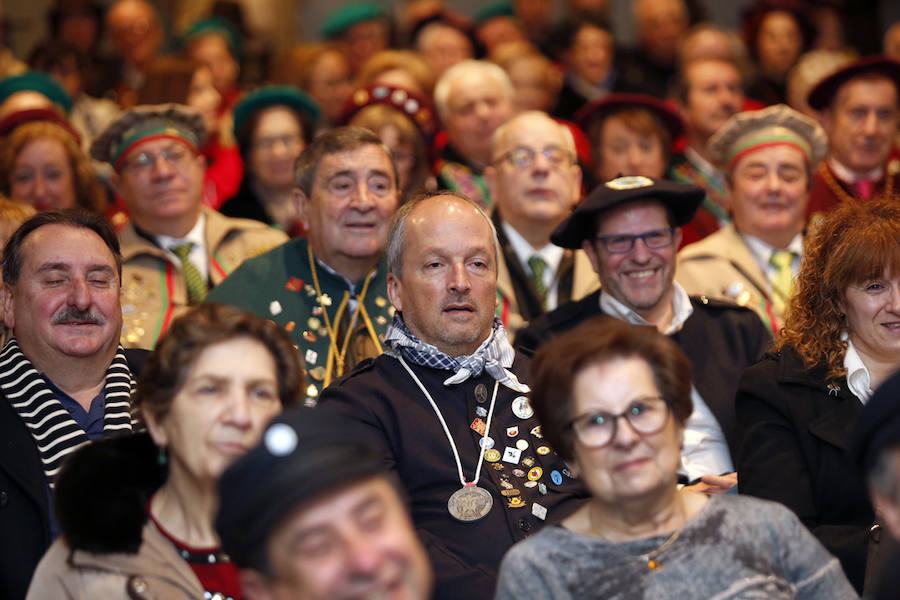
63	376
630	229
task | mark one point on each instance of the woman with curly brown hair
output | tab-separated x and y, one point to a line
42	164
840	340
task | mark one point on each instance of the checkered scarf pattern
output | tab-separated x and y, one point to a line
495	355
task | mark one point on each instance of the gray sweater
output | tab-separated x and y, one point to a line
737	547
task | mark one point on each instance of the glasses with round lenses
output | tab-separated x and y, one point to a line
144	161
523	158
622	243
598	429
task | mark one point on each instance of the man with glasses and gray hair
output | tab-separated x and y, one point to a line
174	249
629	228
535	182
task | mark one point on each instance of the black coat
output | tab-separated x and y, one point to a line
720	339
24	498
794	433
382	396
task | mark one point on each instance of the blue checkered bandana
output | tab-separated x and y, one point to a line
495	355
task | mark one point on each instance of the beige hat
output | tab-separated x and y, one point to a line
175	121
773	126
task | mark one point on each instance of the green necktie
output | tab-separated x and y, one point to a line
538	265
783	282
196	286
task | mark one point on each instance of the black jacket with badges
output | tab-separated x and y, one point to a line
720	339
465	555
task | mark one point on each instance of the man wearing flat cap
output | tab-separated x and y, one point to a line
630	229
859	108
313	512
876	447
174	249
768	157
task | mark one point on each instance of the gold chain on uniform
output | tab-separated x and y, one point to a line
841	193
336	357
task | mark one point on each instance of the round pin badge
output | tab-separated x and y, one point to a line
543	450
492	455
556	477
535	473
522	408
530	484
522	445
486	442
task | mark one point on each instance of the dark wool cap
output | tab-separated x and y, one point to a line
823	93
303	454
680	199
612	103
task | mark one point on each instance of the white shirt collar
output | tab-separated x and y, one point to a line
847	175
681	309
197	236
858	378
551	253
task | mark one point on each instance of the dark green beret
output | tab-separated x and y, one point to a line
349	15
36	81
274	95
217	26
494	9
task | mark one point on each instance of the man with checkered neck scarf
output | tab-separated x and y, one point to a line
448	400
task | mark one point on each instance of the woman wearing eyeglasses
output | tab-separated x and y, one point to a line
613	398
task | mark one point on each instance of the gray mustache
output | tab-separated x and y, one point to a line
73	314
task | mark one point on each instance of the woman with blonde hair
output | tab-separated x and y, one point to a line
840	341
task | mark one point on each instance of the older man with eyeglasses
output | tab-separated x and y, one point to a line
174	250
535	182
630	228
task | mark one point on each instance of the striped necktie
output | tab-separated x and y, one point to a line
783	282
196	286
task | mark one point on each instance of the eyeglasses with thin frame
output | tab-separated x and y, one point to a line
267	144
523	157
621	243
143	162
646	416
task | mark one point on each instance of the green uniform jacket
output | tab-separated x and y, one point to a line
153	287
279	285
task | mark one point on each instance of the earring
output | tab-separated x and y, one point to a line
163	457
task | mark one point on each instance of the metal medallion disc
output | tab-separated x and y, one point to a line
470	503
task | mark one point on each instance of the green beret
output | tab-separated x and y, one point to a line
349	15
148	121
36	81
274	95
494	9
215	26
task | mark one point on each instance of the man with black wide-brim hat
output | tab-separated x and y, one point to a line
859	108
630	229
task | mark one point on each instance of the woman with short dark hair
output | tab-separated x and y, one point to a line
613	399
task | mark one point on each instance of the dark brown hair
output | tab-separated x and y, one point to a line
559	360
192	333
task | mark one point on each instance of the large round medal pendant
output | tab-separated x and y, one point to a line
470	503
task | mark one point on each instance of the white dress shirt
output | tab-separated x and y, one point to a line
198	254
551	254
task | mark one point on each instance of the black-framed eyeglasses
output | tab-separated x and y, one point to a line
622	243
597	429
523	158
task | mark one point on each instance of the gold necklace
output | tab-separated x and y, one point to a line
337	355
650	557
842	194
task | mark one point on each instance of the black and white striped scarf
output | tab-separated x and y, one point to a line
54	430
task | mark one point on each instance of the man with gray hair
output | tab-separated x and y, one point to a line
472	98
447	402
535	182
329	289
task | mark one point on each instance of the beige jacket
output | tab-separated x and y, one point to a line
153	288
155	572
721	267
